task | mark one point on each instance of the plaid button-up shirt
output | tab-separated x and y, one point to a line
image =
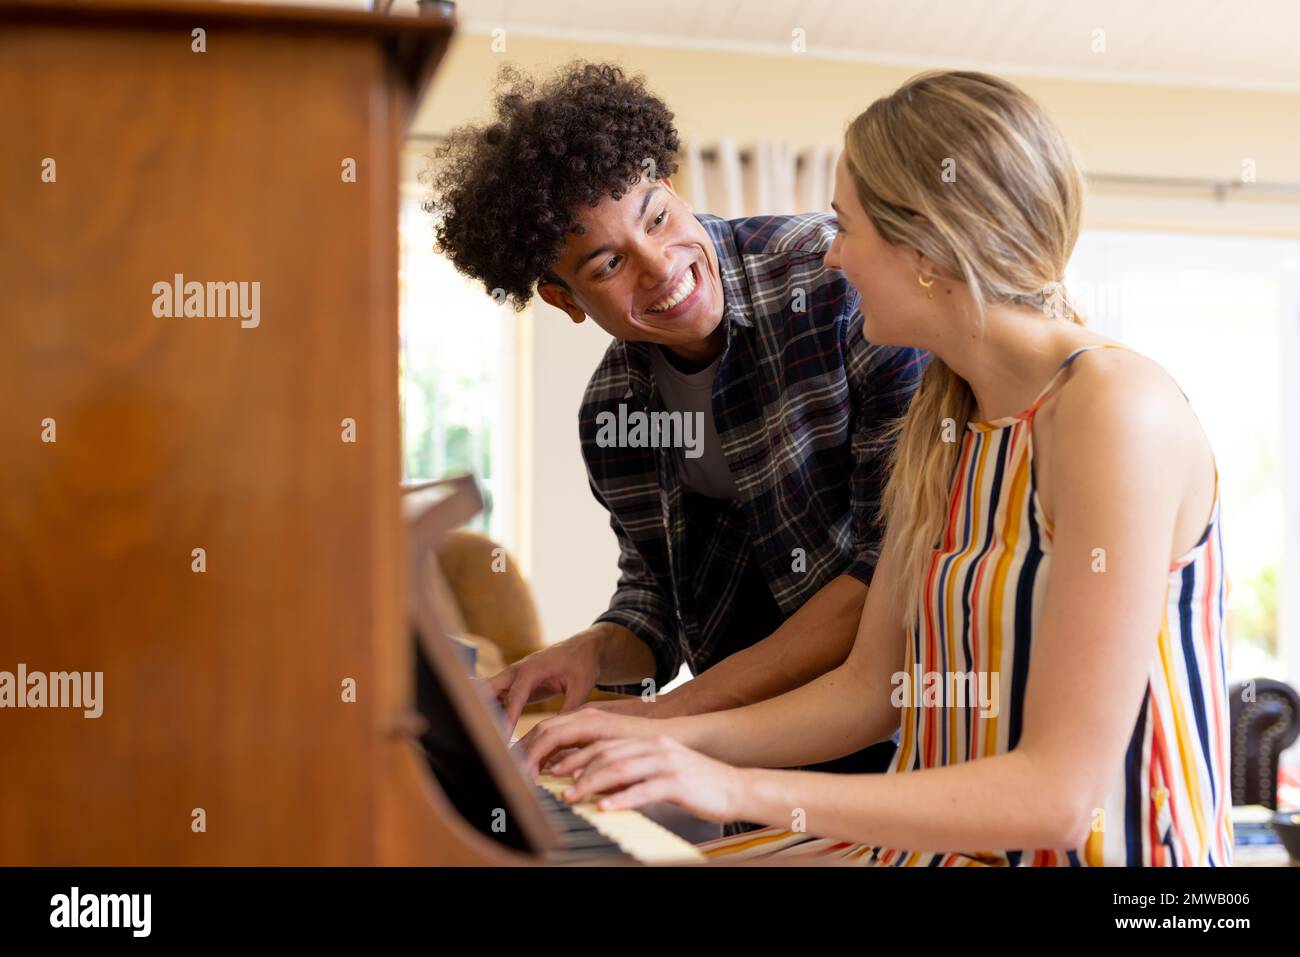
800	399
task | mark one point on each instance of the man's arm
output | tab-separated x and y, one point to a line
571	668
819	635
644	616
630	642
812	641
837	713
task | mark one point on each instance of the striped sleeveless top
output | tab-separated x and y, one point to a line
983	595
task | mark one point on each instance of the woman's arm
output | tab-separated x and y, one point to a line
840	712
1092	654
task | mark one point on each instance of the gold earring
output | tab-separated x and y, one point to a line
929	293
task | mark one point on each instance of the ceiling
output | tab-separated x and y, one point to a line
1246	44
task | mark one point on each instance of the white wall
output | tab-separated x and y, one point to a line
566	547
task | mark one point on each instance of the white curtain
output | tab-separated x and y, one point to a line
758	179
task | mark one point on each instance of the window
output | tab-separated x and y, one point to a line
456	375
1220	314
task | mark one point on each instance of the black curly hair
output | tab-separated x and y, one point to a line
506	194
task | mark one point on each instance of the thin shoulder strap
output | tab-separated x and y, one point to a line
1056	380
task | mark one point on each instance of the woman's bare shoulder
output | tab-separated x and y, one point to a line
1123	389
1123	413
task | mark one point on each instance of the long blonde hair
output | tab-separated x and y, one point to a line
1001	196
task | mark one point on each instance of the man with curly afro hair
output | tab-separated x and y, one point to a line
734	428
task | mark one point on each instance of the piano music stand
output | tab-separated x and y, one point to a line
468	746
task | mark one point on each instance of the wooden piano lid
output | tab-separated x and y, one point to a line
415	42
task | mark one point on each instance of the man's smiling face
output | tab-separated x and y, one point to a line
645	269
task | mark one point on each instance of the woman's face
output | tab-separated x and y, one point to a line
895	307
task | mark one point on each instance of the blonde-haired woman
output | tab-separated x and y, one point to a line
1044	630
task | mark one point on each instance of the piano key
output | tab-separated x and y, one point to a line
629	830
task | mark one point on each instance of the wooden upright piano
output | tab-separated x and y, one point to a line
200	496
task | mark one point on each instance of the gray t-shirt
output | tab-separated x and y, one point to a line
691	393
